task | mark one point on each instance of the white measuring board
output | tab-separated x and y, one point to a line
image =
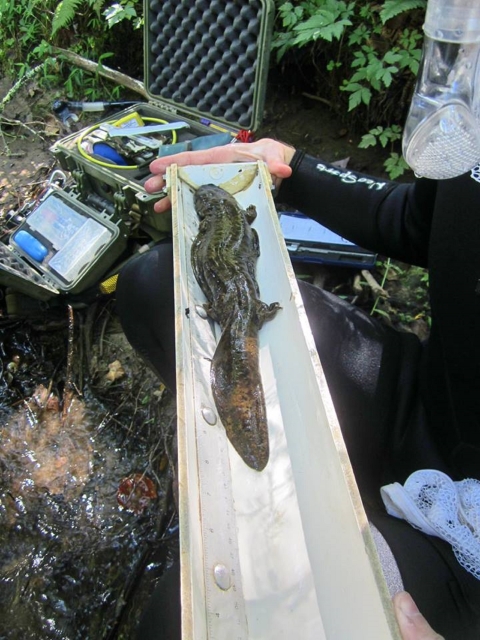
225	604
285	552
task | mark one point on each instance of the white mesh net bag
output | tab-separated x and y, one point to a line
430	501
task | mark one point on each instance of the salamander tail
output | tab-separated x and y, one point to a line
238	394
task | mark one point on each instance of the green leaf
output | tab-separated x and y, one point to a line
381	312
361	74
368	140
385	75
392	57
64	14
393	8
290	15
360	59
384	138
333	64
282	42
359	35
395	166
321	25
363	94
103	57
117	12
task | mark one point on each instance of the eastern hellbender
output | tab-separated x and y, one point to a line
224	256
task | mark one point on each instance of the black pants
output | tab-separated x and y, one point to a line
372	373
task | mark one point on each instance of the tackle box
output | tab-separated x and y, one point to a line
61	246
205	70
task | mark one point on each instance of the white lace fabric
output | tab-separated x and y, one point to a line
432	502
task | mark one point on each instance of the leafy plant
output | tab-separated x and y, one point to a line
407	286
117	12
124	10
23	25
64	14
395	165
310	21
367	52
373	73
95	29
393	8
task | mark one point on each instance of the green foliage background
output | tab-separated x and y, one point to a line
100	30
359	57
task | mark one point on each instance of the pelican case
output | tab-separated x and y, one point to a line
205	70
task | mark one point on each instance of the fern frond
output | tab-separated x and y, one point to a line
393	8
64	14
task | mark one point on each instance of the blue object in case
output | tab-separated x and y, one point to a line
32	247
104	150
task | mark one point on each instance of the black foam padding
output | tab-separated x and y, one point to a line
205	55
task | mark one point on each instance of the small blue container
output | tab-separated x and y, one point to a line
32	247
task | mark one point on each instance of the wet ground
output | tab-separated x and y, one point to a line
87	523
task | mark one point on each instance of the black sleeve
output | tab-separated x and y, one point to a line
390	218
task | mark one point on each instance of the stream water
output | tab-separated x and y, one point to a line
83	499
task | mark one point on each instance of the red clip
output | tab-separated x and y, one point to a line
245	136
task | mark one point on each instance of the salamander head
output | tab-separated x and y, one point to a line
209	198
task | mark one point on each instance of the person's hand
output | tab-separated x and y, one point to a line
275	154
413	625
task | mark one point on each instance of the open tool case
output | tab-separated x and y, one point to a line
206	64
63	245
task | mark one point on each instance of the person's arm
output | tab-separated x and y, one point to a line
387	217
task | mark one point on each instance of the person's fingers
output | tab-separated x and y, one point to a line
154	184
413	625
162	205
158	167
275	154
216	155
274	158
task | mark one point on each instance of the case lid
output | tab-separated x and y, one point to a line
209	58
16	273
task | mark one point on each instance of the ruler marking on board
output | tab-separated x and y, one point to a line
225	605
